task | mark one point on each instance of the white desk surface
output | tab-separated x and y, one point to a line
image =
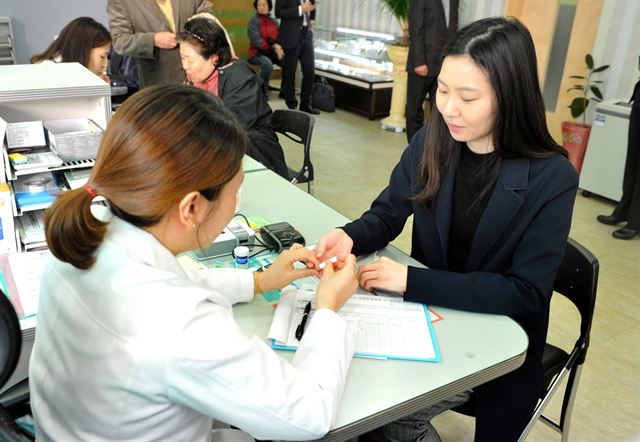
475	348
251	165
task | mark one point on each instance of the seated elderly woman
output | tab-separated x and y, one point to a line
208	63
82	40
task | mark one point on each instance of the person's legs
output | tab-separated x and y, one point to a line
266	66
307	64
289	75
417	88
631	183
416	427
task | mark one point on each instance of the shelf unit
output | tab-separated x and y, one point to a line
7	52
50	91
356	64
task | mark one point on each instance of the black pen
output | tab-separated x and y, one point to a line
303	322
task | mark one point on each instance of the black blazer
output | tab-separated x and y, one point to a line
240	91
290	22
512	262
428	33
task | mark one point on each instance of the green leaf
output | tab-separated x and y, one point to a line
580	77
578	106
596	92
601	68
589	60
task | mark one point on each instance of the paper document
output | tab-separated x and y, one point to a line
25	269
385	327
25	134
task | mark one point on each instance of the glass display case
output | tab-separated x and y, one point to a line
357	66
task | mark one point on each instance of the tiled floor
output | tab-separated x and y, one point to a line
353	158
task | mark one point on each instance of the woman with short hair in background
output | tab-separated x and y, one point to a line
132	346
208	64
82	40
263	48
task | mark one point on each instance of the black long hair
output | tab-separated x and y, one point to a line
504	49
75	42
209	38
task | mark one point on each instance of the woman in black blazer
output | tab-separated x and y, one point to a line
492	197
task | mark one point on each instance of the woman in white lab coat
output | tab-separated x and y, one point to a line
130	345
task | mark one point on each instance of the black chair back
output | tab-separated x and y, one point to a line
10	338
10	345
577	279
298	127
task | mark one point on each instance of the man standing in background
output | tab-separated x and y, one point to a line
296	38
431	23
147	30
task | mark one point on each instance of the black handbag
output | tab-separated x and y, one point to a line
322	95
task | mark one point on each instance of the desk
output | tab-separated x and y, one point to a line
378	392
250	165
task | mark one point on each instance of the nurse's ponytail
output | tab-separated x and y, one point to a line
162	143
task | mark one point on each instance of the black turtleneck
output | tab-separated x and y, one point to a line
472	173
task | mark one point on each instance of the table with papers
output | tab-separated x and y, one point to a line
474	348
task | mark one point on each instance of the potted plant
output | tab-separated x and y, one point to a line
398	55
575	136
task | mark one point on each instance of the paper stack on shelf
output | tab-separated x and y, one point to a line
77	178
31	228
36	160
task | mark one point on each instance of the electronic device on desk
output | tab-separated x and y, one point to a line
280	236
235	234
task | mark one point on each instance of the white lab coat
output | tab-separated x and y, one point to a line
137	348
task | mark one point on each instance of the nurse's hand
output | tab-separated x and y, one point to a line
282	272
384	274
335	243
337	286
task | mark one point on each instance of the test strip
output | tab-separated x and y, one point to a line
324	263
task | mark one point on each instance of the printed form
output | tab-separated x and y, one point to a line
385	327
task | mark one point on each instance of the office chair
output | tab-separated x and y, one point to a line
577	280
298	127
10	345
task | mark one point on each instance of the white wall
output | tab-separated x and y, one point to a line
618	44
36	22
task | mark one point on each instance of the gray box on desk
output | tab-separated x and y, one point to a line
72	139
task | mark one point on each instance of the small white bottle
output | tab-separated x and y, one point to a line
242	257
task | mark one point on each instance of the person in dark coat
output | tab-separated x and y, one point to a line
296	38
208	64
431	23
491	194
628	209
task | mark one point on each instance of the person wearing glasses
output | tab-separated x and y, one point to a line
132	346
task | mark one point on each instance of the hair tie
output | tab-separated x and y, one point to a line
92	193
